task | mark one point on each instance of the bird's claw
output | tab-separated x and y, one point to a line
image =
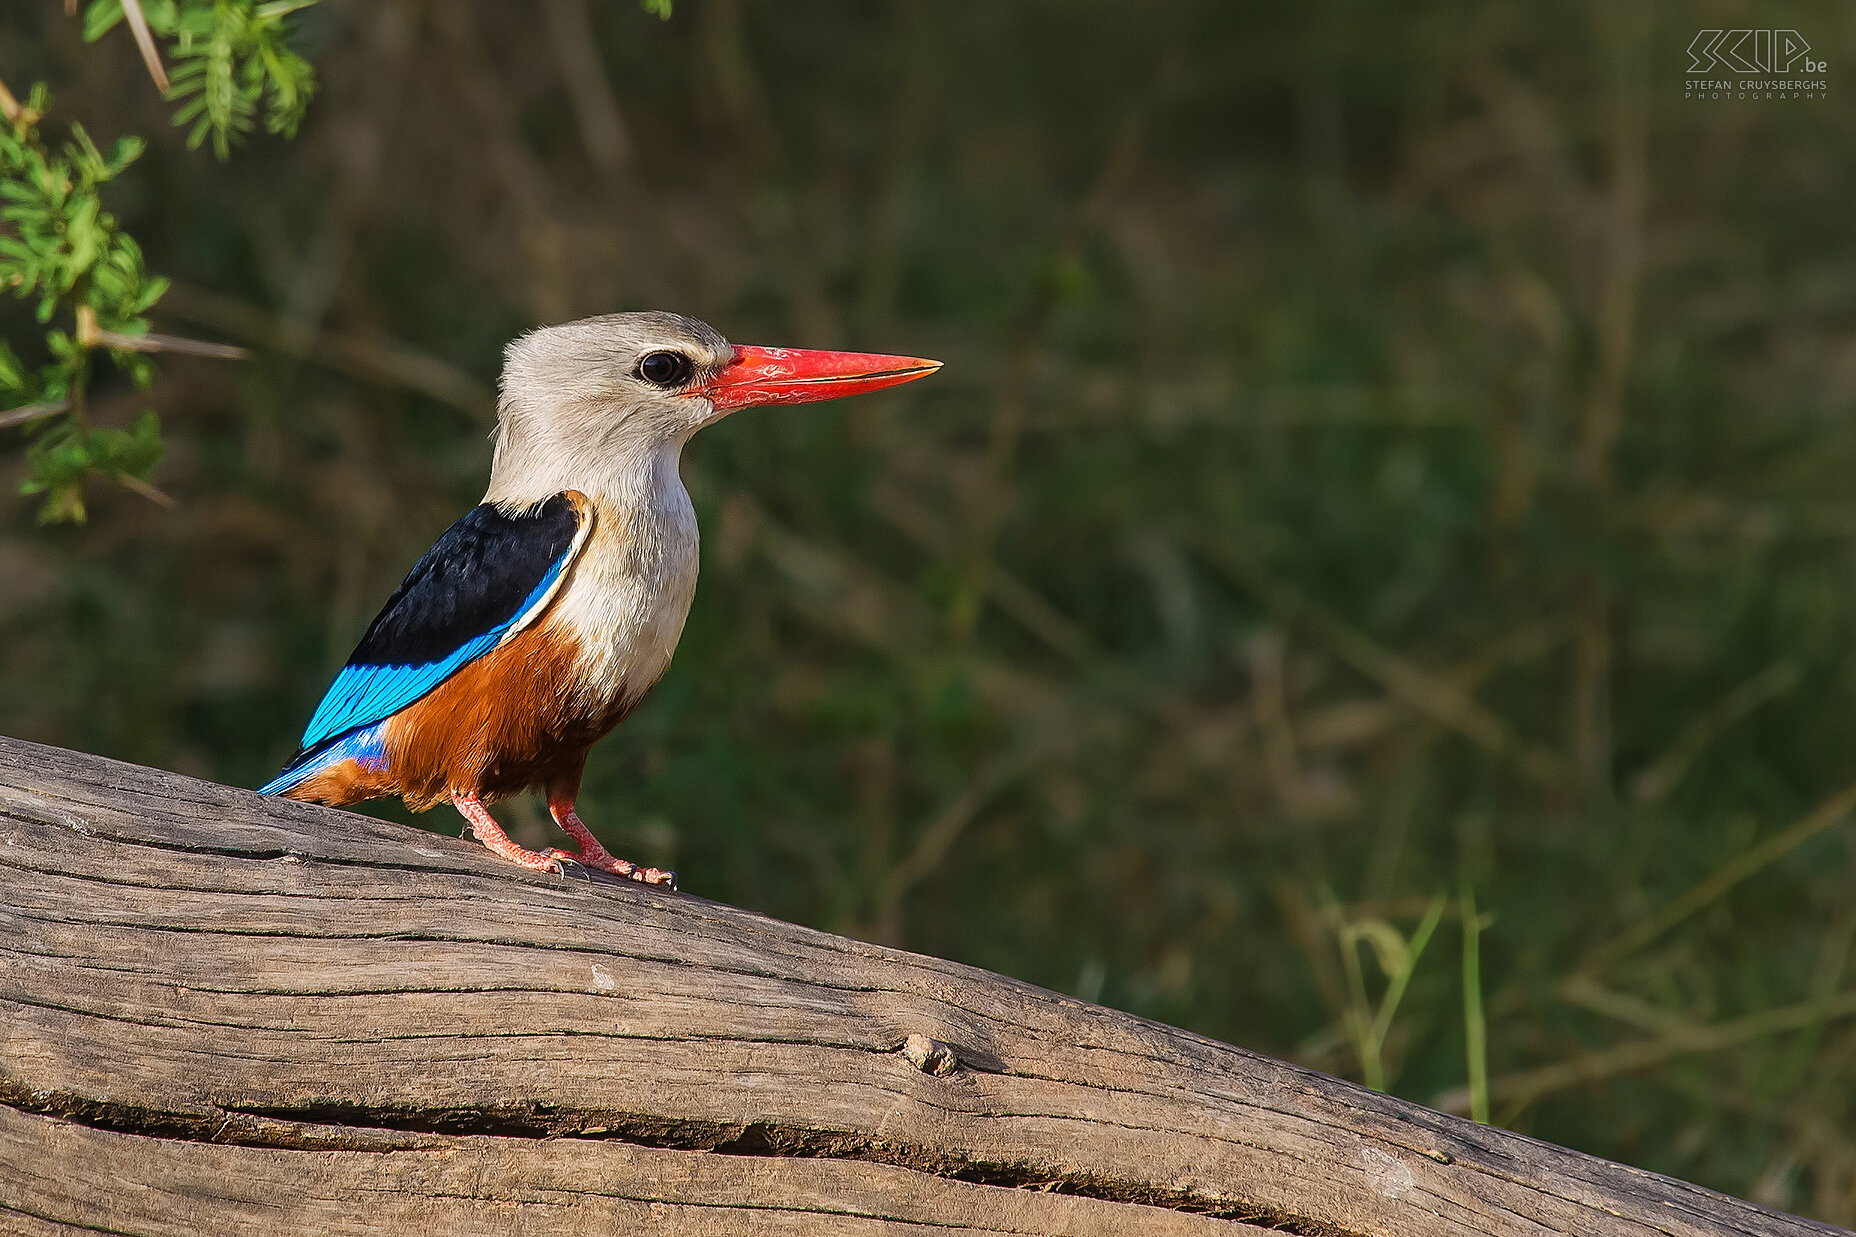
568	865
618	867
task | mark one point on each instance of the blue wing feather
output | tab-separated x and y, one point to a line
364	694
463	597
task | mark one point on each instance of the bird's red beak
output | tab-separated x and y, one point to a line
802	375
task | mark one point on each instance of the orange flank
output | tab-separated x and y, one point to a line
501	724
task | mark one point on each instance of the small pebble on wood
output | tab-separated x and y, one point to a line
930	1056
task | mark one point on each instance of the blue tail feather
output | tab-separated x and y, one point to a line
366	747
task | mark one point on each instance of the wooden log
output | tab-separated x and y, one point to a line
232	1015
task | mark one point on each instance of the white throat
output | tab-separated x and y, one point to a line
625	599
629	472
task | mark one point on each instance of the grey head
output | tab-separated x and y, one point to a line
581	406
604	405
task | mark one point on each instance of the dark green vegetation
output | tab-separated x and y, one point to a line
62	249
1385	463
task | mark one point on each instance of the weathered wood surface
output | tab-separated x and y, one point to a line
231	1015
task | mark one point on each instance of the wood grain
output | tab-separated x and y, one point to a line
229	1014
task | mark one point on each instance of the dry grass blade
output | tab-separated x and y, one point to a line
1588	993
145	42
1020	602
1665	773
937	840
1400	676
1828	813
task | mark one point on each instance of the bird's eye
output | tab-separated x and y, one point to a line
665	369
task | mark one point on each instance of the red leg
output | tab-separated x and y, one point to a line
491	835
593	855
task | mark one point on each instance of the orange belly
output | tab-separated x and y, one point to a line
508	722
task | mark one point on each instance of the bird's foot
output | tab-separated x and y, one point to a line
593	855
607	862
491	834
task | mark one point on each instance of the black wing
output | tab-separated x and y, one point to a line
482	577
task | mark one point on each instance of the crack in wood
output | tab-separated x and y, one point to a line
350	1127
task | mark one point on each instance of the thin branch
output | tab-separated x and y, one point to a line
144	41
134	484
152	342
33	412
367	359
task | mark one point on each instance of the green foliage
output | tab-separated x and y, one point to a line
61	247
230	57
63	460
1369	1022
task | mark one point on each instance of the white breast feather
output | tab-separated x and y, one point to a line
629	594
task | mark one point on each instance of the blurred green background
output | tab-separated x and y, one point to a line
1390	458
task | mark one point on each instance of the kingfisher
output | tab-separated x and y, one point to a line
541	618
